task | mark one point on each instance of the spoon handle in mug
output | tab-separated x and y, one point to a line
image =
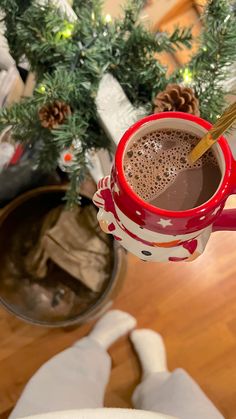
223	123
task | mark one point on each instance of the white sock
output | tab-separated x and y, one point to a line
151	351
111	327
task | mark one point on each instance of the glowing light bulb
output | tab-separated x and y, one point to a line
108	18
187	76
41	89
67	32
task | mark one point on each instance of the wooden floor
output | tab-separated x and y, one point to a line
192	305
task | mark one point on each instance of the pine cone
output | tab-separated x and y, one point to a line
54	114
177	98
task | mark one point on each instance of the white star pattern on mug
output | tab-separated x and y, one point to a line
164	223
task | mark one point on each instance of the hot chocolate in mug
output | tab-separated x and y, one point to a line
157	234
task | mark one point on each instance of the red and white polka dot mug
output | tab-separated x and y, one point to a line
156	234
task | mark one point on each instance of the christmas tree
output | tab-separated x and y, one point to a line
70	54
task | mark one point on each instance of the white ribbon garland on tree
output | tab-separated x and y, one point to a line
6	60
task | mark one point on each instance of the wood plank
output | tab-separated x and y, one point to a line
181	7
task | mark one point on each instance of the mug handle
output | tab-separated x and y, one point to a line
227	219
103	187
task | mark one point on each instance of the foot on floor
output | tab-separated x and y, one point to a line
111	327
151	351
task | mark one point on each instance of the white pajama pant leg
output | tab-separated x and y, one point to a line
174	394
74	379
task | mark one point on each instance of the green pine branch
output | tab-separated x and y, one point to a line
70	59
23	117
210	67
72	195
131	10
41	38
92	6
179	38
48	153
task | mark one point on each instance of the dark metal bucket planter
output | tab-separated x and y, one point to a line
59	300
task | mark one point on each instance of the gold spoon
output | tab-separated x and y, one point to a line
222	124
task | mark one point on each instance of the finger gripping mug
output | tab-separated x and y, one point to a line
153	233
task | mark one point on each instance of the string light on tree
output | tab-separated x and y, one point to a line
108	18
64	101
227	18
41	89
66	32
187	75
